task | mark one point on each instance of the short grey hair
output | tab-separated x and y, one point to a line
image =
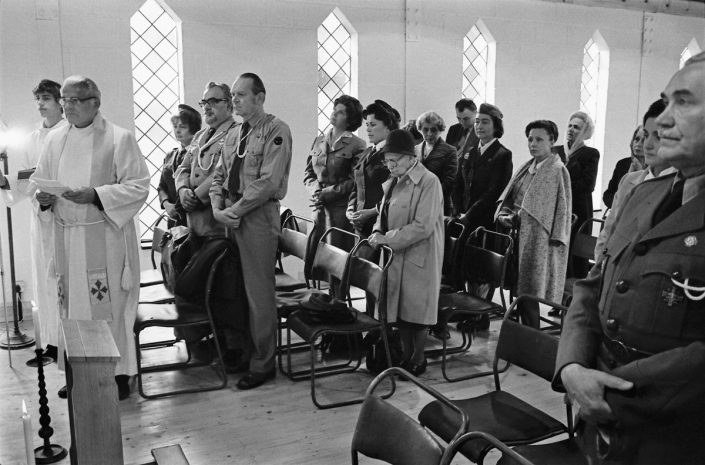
589	123
226	91
432	118
85	84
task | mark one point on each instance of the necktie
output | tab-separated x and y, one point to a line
385	206
670	203
209	134
234	175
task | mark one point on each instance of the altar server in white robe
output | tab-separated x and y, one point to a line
17	191
96	258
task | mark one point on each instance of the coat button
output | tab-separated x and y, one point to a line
622	286
640	249
677	275
611	324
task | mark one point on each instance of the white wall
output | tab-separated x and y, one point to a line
409	54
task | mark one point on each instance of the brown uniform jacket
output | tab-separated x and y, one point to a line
630	297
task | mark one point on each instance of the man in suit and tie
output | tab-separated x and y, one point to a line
462	134
632	351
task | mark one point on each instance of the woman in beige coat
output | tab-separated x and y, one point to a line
411	223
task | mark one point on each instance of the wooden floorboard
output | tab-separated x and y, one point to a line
274	424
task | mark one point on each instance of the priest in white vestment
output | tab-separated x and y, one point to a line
92	181
17	191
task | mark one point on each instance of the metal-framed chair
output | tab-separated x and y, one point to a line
169	315
511	456
583	246
480	263
455	237
499	413
363	274
154	275
383	432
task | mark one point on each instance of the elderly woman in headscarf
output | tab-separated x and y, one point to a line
538	202
411	223
626	165
582	163
436	155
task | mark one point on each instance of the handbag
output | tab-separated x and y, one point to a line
322	309
175	254
376	360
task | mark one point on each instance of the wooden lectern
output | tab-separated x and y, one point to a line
94	415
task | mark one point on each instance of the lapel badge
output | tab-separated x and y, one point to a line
672	296
467	155
690	241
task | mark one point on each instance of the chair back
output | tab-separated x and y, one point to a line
480	261
212	276
364	272
385	433
584	241
157	235
293	239
525	346
455	235
333	261
508	454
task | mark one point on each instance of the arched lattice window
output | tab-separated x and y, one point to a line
691	49
157	89
478	64
593	95
337	68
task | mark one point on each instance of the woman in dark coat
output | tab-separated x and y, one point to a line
626	165
436	155
582	163
371	172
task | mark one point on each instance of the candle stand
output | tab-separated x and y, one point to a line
48	453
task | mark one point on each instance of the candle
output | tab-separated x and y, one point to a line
28	443
35	319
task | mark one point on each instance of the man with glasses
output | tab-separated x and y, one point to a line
249	182
17	188
92	180
195	175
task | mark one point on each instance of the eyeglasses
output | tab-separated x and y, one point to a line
73	100
211	102
391	162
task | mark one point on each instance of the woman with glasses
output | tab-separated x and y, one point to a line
436	155
411	224
329	169
195	174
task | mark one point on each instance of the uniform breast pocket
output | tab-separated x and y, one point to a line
253	164
667	311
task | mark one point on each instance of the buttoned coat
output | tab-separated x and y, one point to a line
415	234
198	176
630	296
544	229
369	174
582	166
481	179
443	162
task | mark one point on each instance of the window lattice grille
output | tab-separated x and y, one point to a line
589	85
156	94
475	58
334	66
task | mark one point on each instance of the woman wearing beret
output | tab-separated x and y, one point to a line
538	201
411	223
436	155
371	172
483	172
186	123
329	169
582	163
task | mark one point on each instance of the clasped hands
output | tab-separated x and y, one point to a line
82	196
226	217
586	387
360	218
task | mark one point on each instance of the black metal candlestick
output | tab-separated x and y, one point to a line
48	453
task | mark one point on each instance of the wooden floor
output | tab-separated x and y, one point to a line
274	424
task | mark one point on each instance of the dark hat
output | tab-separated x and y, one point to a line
401	142
189	109
488	109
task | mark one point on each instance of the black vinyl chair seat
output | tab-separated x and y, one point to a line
449	304
565	452
498	413
169	315
150	277
308	332
287	283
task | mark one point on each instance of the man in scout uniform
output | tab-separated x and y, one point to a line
632	351
195	175
250	180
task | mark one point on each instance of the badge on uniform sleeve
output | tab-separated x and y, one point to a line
98	286
690	241
672	296
278	141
